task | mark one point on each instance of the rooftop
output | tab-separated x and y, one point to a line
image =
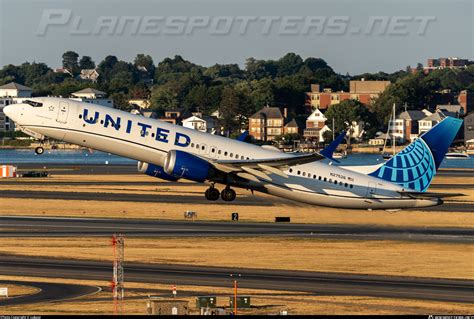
90	91
269	113
15	86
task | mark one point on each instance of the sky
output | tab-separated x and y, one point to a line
353	36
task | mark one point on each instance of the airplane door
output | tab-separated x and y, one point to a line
62	112
371	189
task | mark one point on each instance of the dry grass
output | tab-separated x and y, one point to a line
18	290
299	213
363	257
268	302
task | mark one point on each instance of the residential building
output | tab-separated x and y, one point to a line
197	121
267	123
292	127
406	125
11	93
469	130
452	62
89	75
13	89
363	91
466	100
140	103
455	109
92	96
315	126
62	71
428	122
175	116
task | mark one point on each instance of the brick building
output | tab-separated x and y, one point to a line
364	91
267	123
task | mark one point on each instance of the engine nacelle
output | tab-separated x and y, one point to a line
155	171
185	165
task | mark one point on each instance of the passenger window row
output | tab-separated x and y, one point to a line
324	179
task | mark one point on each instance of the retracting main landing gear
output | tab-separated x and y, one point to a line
228	194
212	193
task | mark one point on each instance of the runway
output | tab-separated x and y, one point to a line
16	226
48	292
310	282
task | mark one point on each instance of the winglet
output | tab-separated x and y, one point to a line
329	150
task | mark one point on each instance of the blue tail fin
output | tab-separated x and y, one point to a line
416	165
329	150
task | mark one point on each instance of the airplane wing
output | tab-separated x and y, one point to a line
250	169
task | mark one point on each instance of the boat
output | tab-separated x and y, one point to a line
385	155
456	155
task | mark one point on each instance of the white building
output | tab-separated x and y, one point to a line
207	124
141	103
92	96
428	122
89	75
15	90
11	93
406	126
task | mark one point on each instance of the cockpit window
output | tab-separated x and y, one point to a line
33	103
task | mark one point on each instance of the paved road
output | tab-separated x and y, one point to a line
49	292
51	226
311	282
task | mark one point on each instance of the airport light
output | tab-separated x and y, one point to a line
235	276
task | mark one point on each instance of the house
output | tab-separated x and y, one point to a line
62	71
89	75
140	103
175	116
197	121
428	122
455	109
406	125
315	126
363	91
13	89
267	123
92	96
291	127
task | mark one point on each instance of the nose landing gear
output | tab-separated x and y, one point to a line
39	150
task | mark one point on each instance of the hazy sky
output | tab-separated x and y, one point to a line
352	36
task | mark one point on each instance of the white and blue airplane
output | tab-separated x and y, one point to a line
172	152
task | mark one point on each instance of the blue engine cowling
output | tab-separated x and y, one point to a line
185	165
155	171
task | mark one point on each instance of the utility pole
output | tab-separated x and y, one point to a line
235	276
118	273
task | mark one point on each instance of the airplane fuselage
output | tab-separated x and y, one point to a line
149	140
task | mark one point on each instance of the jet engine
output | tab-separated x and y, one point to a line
154	171
185	165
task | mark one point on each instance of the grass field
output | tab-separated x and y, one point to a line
441	260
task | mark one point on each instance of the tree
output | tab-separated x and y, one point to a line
229	109
86	63
349	111
163	99
70	61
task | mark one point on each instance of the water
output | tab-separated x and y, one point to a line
28	156
21	156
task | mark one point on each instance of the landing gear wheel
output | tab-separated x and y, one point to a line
39	150
228	194
212	194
